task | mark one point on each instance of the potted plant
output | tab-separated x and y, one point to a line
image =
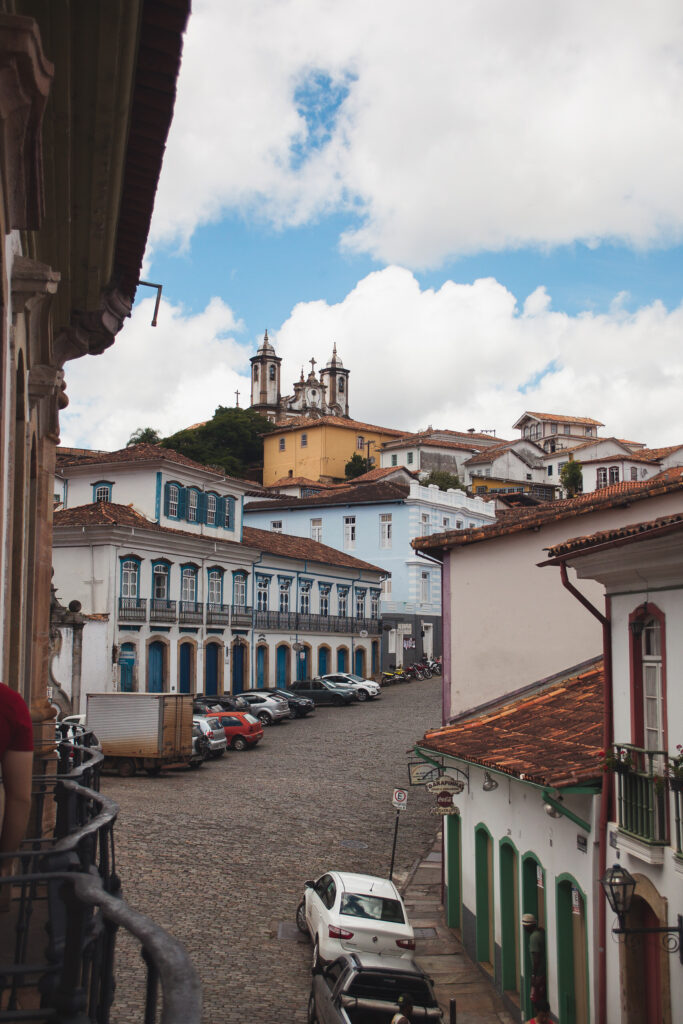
618	759
674	770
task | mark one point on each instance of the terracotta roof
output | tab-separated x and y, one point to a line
302	547
298	481
516	520
620	535
334	421
464	440
106	513
143	453
379	473
560	418
660	453
489	454
363	494
621	457
552	737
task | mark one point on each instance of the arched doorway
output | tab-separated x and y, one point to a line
644	964
509	916
282	666
211	669
303	663
572	954
359	661
127	668
238	666
323	660
155	667
342	659
261	666
533	902
186	667
483	868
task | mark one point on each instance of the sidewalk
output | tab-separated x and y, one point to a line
439	952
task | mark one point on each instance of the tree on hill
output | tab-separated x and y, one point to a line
231	440
144	435
443	480
571	477
356	466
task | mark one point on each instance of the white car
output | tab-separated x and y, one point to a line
213	732
344	912
365	689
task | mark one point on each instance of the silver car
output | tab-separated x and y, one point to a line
267	707
213	732
365	689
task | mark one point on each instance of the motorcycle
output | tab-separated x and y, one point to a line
434	666
424	668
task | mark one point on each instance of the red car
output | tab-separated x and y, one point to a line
242	730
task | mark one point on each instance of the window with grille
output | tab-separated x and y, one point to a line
239	590
360	605
161	582
211	509
343	602
305	599
374	605
276	526
173	495
284	596
103	492
130	575
601	478
189	584
262	595
215	587
325	601
192	506
614	474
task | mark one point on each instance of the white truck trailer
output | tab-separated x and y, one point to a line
141	731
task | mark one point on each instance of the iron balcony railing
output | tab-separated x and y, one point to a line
161	610
217	614
305	622
241	615
642	793
191	612
58	934
132	609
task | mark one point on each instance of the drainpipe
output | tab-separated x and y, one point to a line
605	801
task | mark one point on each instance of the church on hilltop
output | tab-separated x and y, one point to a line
315	396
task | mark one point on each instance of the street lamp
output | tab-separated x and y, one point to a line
619	885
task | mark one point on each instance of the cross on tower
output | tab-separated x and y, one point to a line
237	399
313	362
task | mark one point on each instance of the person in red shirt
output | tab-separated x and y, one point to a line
16	761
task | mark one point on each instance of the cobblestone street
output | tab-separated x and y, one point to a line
219	856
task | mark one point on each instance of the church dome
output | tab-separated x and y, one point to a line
265	348
335	361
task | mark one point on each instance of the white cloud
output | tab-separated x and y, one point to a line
467	126
463	356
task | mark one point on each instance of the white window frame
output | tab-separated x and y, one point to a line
343	603
262	593
325	601
192	506
305	599
385	529
349	532
360	443
425	587
103	493
360	604
276	526
317	530
211	505
188	592
160	573
130	578
285	586
601	477
173	499
613	475
239	590
215	587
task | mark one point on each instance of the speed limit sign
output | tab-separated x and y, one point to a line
400	799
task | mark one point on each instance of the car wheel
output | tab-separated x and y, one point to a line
292	713
311	1017
239	743
127	768
301	918
362	694
264	718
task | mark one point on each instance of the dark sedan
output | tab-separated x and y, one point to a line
322	692
299	705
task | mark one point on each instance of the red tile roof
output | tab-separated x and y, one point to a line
333	421
552	737
363	494
561	418
618	536
515	520
297	481
284	544
660	453
379	473
140	453
433	438
106	513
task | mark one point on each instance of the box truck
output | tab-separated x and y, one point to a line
142	731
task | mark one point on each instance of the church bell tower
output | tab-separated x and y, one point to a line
265	380
336	379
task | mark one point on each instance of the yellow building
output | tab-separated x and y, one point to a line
320	448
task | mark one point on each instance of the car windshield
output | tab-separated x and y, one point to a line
252	719
213	723
355	679
385	986
374	907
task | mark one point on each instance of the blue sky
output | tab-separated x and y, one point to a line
480	204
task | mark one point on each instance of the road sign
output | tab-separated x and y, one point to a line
400	799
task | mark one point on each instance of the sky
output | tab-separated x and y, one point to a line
478	201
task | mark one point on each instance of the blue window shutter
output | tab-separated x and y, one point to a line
201	507
231	508
182	502
167	488
220	512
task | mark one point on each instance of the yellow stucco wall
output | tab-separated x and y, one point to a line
329	447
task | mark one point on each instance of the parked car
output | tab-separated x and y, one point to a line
213	732
241	729
226	702
269	709
299	706
322	692
362	988
345	912
366	689
200	746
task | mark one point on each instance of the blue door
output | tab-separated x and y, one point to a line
260	667
322	661
155	667
341	660
375	657
238	668
281	666
126	665
360	662
185	681
303	664
211	670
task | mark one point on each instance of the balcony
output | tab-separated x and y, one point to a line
642	794
58	935
161	610
275	620
191	613
132	609
217	614
241	615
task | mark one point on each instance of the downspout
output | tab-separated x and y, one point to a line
606	798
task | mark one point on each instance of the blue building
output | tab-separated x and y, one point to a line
375	521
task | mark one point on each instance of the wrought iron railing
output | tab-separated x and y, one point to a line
65	908
241	615
642	793
191	612
132	609
161	610
217	614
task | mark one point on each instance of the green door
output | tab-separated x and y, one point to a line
453	871
509	918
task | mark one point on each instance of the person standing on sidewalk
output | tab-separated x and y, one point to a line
16	761
538	993
405	1013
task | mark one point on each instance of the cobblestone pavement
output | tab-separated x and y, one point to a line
219	856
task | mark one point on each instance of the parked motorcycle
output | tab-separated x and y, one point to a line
424	669
434	666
